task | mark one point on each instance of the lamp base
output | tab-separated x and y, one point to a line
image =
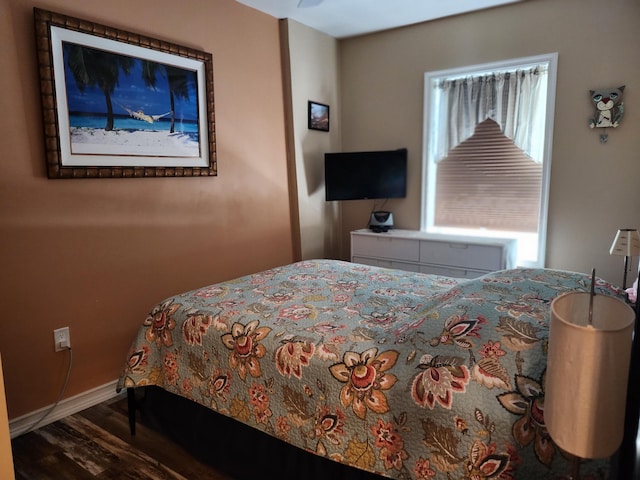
575	470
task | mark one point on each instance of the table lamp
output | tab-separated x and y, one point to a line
590	339
627	244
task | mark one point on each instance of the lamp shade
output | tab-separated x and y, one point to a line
587	373
626	243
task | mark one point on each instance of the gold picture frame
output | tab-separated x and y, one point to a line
120	104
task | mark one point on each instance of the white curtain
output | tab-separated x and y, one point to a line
515	100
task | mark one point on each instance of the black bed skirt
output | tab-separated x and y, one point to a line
232	447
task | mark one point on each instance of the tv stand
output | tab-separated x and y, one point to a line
448	255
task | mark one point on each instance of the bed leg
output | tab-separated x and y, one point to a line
131	407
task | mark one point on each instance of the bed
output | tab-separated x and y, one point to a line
392	373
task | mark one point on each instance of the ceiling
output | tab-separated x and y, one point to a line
348	18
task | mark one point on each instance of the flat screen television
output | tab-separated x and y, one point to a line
365	175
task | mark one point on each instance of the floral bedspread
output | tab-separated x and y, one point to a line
407	375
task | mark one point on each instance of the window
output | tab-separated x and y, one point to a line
487	152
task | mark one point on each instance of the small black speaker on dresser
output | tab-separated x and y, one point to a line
381	221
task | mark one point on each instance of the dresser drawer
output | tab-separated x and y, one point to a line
377	262
438	254
451	271
459	254
385	246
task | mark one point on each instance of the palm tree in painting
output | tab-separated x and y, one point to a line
177	78
97	68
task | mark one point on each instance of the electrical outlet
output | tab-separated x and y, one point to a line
61	339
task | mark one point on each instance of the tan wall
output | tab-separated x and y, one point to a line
594	187
314	73
95	255
6	459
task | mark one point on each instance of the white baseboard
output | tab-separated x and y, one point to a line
66	407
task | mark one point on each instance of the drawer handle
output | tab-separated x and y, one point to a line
459	246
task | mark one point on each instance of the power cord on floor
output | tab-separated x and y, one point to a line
64	388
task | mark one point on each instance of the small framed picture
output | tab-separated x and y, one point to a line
318	116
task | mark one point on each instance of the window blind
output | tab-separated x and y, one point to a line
488	182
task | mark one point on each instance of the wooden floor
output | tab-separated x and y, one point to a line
96	444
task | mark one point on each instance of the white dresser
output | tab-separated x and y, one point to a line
448	255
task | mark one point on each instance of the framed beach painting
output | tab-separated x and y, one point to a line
318	116
119	104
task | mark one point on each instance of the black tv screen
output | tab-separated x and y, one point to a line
365	175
